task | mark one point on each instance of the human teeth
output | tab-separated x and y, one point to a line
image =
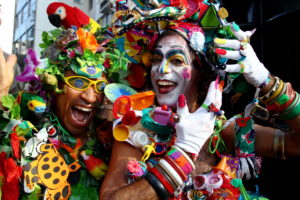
165	83
84	109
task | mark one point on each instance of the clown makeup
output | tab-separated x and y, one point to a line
171	69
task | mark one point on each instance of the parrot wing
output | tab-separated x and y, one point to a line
81	17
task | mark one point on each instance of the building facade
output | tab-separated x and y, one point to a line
32	20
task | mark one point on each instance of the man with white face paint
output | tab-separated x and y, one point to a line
171	70
184	84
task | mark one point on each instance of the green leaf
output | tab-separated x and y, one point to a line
43	45
81	62
56	32
44	37
87	53
88	151
8	101
15	112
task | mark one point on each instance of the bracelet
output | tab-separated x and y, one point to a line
185	155
274	94
181	173
167	177
181	160
171	172
293	110
276	99
163	180
279	142
272	90
157	186
292	94
283	101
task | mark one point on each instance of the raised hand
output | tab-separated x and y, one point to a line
6	72
195	128
254	71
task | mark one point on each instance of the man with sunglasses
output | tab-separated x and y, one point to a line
58	155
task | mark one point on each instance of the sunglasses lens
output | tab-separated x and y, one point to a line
79	83
101	85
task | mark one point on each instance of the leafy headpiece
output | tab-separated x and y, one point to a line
86	53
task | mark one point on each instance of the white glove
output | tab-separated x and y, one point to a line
194	129
254	71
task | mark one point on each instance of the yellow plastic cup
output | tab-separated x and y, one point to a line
121	132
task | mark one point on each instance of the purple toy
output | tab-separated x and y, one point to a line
31	63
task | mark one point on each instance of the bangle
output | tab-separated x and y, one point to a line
185	155
275	93
283	101
157	186
163	179
181	160
276	99
171	172
279	142
272	90
293	110
181	173
167	177
292	94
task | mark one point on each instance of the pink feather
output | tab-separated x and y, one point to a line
31	63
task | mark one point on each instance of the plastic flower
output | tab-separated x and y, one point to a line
87	40
133	166
10	173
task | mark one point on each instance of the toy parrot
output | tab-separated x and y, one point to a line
30	103
61	14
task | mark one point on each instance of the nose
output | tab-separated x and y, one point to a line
164	67
89	95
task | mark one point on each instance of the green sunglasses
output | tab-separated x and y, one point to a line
82	83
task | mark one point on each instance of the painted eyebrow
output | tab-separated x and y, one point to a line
158	51
174	46
177	51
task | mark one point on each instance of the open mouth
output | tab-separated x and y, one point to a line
165	86
81	115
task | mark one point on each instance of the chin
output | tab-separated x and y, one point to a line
168	100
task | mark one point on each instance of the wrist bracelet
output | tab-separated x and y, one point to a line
171	172
283	91
272	90
167	177
185	155
157	186
278	145
180	159
162	179
283	101
275	93
181	173
293	110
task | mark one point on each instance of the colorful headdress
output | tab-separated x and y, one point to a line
85	53
143	21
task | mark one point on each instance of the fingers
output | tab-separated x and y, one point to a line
182	108
11	60
2	61
227	43
241	35
214	94
233	55
234	68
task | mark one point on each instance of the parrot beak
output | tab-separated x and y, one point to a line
55	20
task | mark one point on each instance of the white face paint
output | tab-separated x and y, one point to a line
171	69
